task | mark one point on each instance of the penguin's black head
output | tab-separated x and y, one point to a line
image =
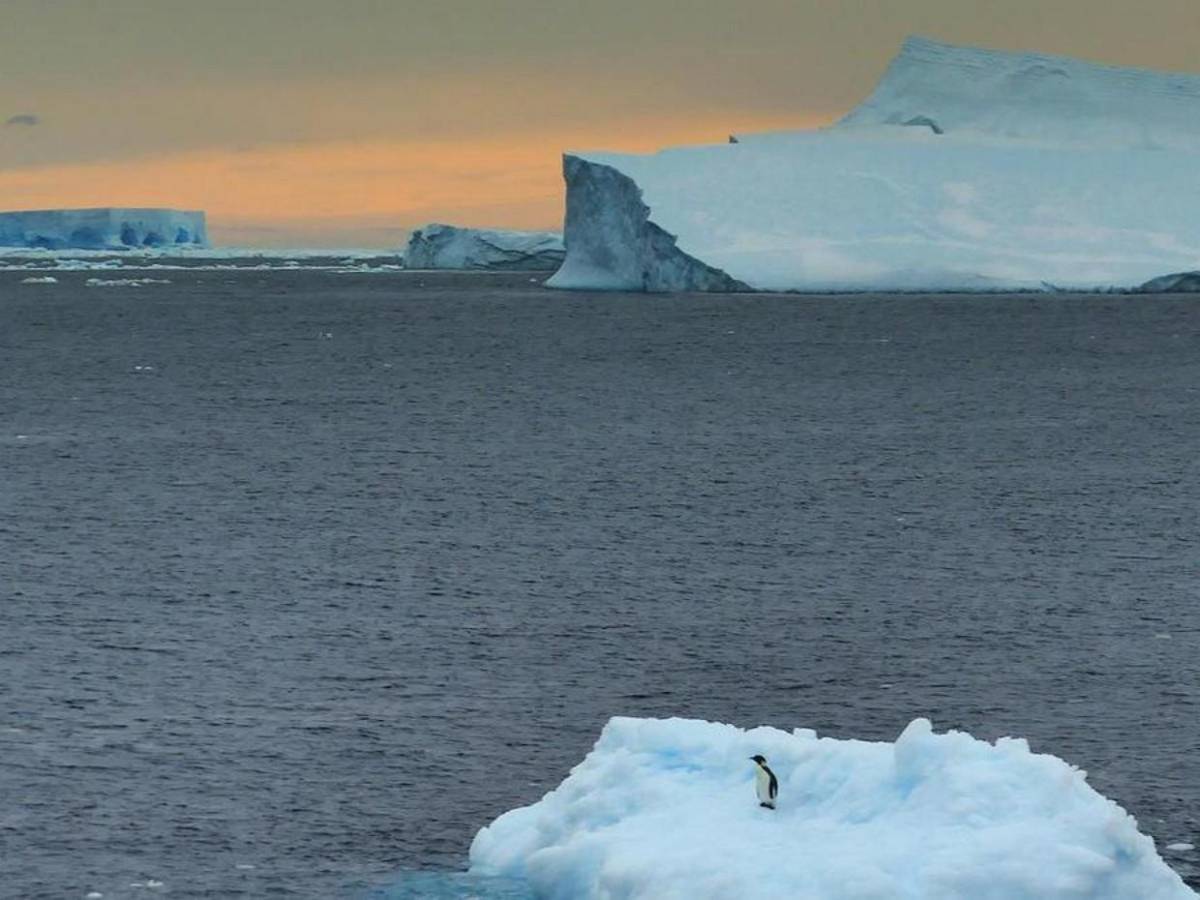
761	760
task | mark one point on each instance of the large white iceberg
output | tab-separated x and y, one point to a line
966	169
106	228
666	810
439	246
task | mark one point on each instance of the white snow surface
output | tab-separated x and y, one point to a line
666	810
124	282
1034	96
1018	171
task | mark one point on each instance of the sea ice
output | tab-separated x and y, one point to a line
965	170
664	809
124	282
193	258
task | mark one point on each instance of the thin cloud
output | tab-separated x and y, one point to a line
27	119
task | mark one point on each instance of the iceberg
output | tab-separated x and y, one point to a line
103	228
965	170
1174	283
448	247
666	808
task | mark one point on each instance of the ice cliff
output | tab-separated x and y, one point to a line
102	229
448	247
965	169
665	810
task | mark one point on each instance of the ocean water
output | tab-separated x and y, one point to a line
307	575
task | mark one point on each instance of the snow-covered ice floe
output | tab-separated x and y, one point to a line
449	247
666	810
196	258
124	282
107	228
966	169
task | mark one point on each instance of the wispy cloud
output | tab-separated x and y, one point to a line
26	119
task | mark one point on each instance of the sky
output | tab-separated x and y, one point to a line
346	123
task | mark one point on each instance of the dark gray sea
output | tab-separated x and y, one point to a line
307	575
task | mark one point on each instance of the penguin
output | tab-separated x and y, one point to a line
766	785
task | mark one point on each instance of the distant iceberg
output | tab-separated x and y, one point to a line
1173	283
448	247
666	810
106	228
965	169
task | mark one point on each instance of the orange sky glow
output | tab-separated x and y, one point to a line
361	193
313	123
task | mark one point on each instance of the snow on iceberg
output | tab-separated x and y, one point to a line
965	170
103	228
666	809
448	247
1033	96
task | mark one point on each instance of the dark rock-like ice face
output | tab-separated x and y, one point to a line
1177	283
86	238
612	243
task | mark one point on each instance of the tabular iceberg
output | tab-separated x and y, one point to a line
966	169
103	228
448	247
664	809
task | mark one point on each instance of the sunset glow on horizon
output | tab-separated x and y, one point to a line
308	123
356	193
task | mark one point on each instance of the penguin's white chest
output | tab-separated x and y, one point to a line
762	785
